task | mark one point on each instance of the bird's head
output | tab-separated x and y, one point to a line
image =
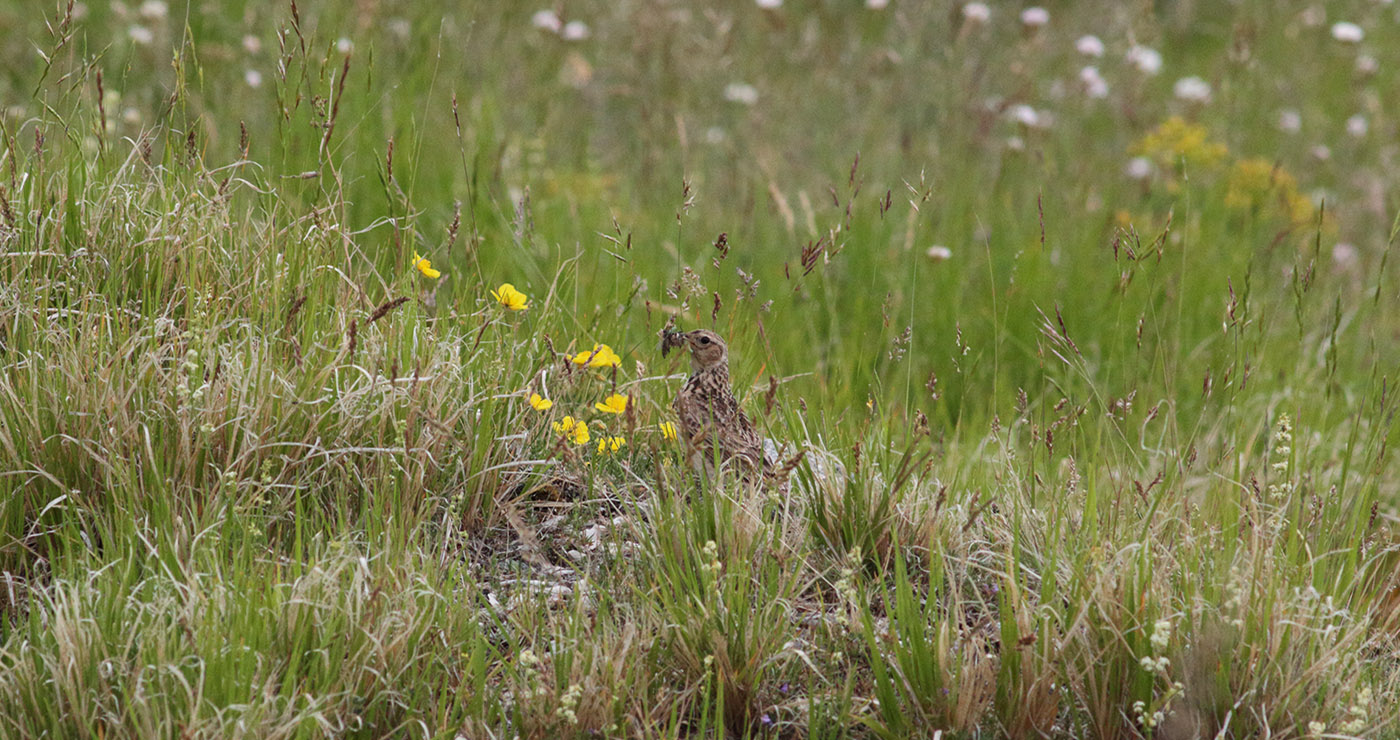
707	350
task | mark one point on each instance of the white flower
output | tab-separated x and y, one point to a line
1094	84
741	92
1357	126
252	44
1347	33
976	12
1015	143
1146	59
1024	115
1035	17
1192	89
131	115
1290	121
153	9
769	4
141	35
939	253
877	4
1344	254
253	78
1161	634
1139	168
400	27
1089	46
575	31
344	45
1321	152
546	20
1367	65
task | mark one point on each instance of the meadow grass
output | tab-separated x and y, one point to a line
1089	397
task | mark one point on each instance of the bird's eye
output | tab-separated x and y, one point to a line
704	340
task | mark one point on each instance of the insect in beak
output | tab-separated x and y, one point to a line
671	340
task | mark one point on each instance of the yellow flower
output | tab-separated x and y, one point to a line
508	296
1177	140
610	444
668	430
569	427
614	404
425	267
539	402
1258	183
601	356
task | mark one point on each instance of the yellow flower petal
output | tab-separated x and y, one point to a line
614	404
600	356
668	430
508	296
604	356
540	403
610	445
425	267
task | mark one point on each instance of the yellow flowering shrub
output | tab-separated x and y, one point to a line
1176	141
1258	184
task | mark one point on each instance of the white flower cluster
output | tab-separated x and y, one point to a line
1149	717
976	12
550	22
568	703
712	565
1145	719
1359	712
845	588
186	390
1283	441
1161	635
530	665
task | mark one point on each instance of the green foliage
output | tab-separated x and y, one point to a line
1081	445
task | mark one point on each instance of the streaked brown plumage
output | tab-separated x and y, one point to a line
709	414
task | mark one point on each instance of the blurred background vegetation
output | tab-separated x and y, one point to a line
750	121
1126	264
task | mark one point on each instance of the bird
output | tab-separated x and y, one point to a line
711	421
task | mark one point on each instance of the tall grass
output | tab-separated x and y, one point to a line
1115	463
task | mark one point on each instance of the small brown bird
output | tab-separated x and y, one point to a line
708	412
